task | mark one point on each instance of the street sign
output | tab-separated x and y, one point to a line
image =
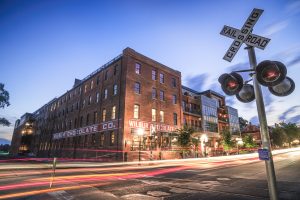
251	40
244	35
263	154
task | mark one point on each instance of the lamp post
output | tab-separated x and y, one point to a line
203	139
239	142
140	133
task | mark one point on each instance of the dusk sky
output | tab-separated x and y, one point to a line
45	45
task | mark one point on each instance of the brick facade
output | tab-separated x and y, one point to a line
109	115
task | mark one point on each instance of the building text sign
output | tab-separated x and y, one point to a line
104	126
244	35
133	123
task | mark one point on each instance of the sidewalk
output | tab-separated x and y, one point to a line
12	164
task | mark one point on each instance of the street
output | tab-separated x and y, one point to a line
229	177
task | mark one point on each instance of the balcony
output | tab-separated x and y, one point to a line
192	111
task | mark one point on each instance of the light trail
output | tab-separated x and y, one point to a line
113	176
35	192
171	167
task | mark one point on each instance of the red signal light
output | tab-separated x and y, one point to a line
231	83
270	73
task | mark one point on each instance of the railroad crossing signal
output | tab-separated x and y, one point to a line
244	36
271	74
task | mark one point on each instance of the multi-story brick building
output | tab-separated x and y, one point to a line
130	104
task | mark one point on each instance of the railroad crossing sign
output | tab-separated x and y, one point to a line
244	35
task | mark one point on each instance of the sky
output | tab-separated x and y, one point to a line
45	45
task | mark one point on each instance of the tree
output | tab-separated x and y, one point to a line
291	130
185	139
248	141
226	140
278	136
4	101
243	123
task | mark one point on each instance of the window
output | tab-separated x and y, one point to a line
92	84
112	138
101	144
115	89
174	99
90	100
154	95
77	105
70	124
113	112
85	88
87	119
105	75
136	111
93	139
97	97
175	118
104	115
137	88
95	117
83	103
161	114
80	123
153	115
137	68
154	74
161	78
105	94
115	69
162	95
173	82
75	123
98	80
85	141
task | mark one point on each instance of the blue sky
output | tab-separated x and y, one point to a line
46	44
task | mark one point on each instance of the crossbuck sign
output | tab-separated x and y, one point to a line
244	36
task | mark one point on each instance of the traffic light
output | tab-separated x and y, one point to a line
231	83
246	94
286	87
270	73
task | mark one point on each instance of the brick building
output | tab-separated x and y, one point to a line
131	104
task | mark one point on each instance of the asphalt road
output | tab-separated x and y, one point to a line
230	177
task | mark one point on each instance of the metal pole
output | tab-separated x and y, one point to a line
140	148
271	177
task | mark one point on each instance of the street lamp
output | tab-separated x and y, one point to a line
203	139
140	133
239	142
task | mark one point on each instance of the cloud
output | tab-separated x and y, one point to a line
290	57
275	28
241	66
294	61
4	141
197	82
268	100
254	120
289	112
6	132
293	7
295	119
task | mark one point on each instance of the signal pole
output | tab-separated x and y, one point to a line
271	177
